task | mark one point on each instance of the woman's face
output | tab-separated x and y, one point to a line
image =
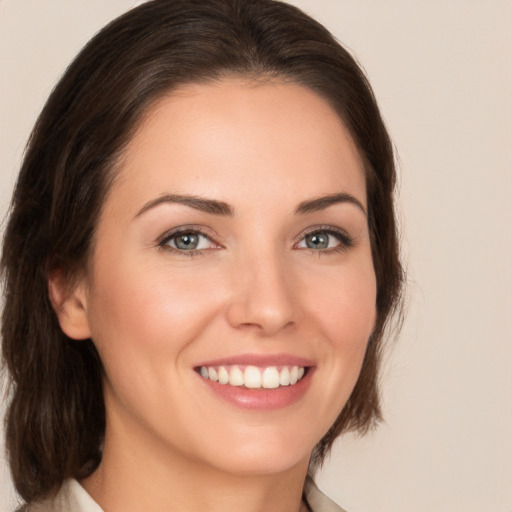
231	258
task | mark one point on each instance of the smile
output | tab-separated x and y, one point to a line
254	377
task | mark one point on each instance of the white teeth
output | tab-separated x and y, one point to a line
212	374
284	377
270	378
223	375
236	377
294	375
254	377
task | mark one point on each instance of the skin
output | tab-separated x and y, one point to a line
254	287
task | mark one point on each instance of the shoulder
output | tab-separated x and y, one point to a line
71	497
317	500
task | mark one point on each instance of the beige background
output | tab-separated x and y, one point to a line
442	72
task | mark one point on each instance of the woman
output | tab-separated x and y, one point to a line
200	263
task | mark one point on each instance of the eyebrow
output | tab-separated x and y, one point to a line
199	203
323	202
215	207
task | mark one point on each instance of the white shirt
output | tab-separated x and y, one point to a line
72	497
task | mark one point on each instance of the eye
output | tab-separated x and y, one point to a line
325	239
187	241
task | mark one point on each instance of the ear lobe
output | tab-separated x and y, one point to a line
70	306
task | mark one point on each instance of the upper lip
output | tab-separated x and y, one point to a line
261	360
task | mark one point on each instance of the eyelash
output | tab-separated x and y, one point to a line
167	237
345	241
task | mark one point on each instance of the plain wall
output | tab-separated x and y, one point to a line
442	73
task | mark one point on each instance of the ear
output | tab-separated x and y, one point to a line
70	305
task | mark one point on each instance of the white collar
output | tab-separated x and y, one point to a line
72	497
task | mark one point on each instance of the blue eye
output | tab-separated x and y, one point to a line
318	240
325	239
187	241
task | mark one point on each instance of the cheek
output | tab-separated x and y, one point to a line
143	315
345	306
342	307
149	308
143	323
345	310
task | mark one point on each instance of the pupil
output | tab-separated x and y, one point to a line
187	241
316	241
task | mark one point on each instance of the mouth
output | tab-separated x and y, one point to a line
258	382
254	377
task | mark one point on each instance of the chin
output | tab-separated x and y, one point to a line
262	464
262	453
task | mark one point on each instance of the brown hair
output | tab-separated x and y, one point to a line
56	418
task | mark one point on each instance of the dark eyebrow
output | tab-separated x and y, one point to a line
199	203
320	203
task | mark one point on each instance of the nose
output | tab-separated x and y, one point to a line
262	297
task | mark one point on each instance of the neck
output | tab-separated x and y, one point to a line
151	476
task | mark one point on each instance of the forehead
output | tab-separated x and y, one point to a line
235	139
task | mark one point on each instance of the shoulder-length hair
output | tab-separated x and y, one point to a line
56	417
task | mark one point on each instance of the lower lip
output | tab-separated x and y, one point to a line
261	399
